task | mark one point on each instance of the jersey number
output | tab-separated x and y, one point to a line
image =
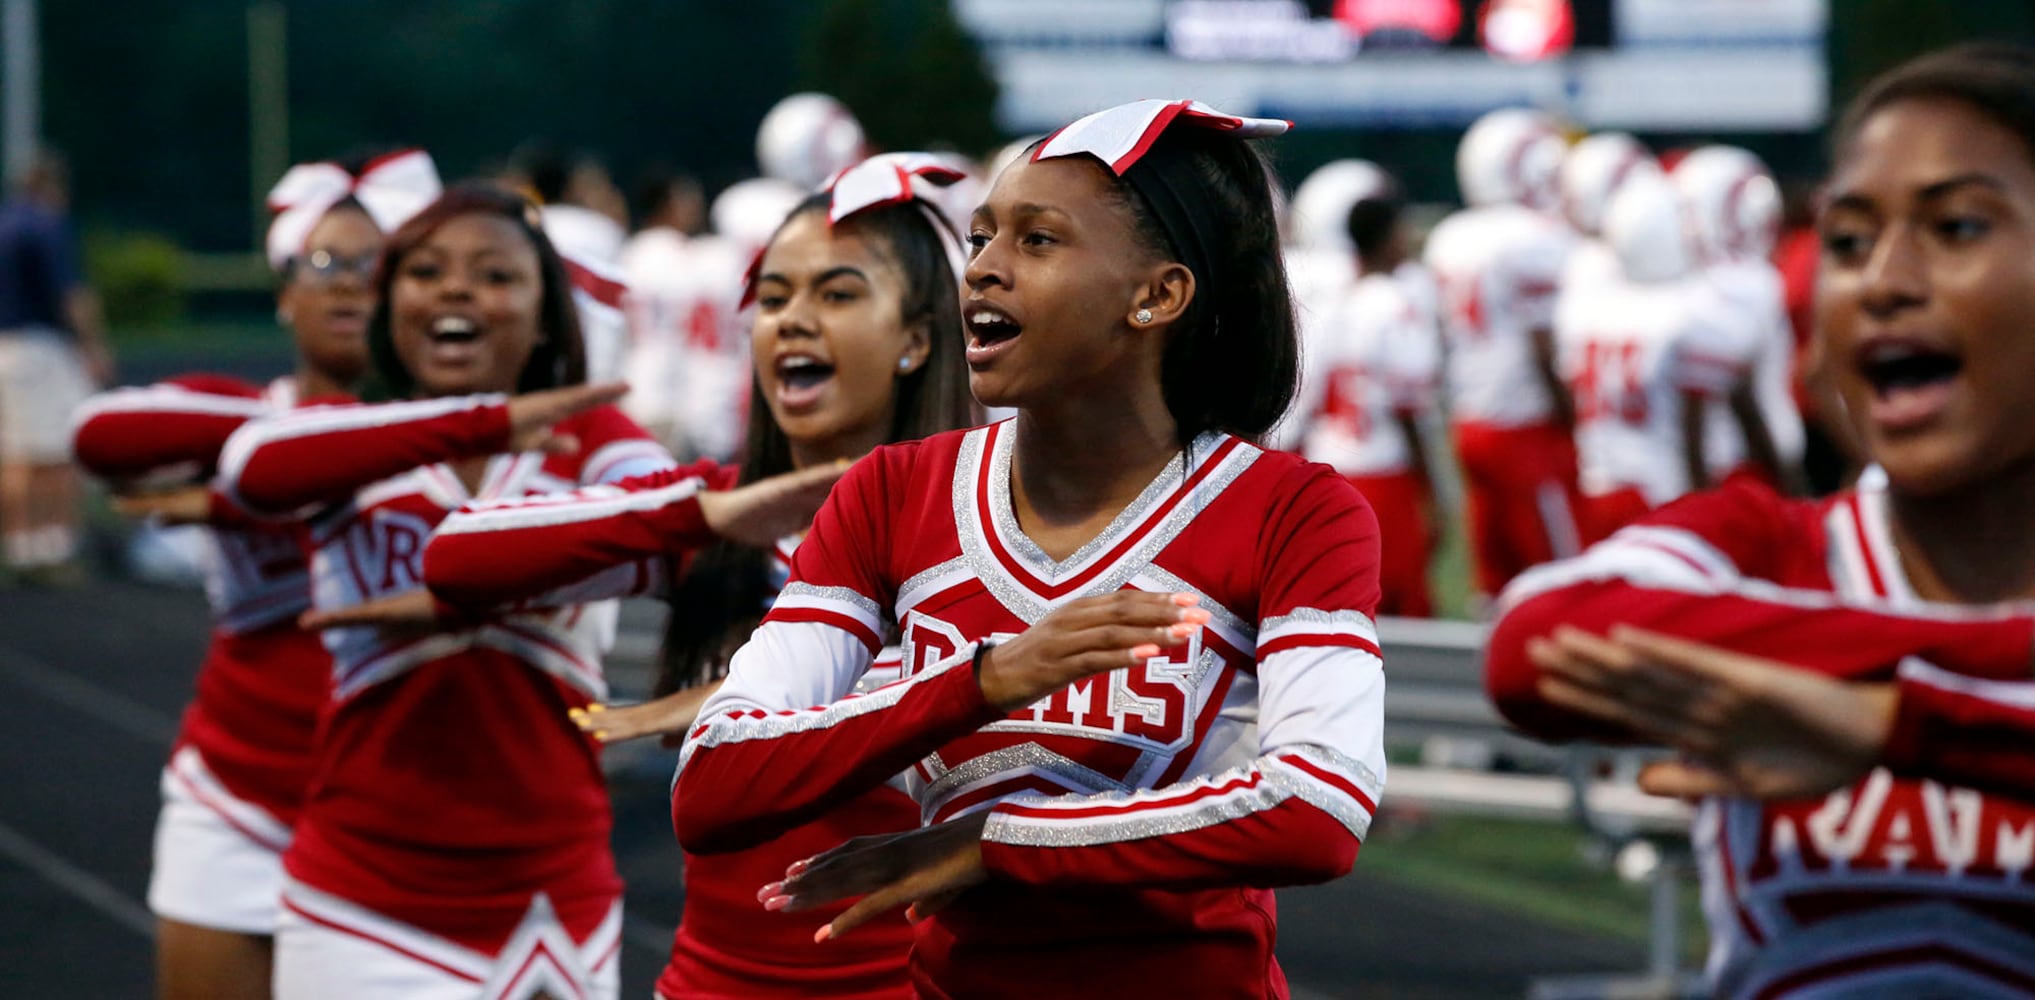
1608	387
1343	404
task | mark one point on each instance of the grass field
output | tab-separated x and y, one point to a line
1550	872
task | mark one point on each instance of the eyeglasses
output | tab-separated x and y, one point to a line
322	267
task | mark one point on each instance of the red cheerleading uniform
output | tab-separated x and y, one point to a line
1138	819
1900	885
616	540
456	816
244	748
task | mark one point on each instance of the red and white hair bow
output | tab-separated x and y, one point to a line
390	188
886	179
1119	136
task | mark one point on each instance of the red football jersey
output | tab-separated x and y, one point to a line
1138	818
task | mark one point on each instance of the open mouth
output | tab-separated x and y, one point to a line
989	330
454	330
801	380
1912	382
1892	366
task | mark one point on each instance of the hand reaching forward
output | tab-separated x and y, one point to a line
533	414
1093	635
412	612
923	869
666	718
1747	726
766	510
184	505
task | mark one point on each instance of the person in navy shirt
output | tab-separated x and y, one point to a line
52	352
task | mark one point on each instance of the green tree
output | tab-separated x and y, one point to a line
913	77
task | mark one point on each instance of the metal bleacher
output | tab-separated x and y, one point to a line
1471	763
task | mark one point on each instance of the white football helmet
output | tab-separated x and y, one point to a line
808	138
748	213
1733	204
1011	152
1320	211
1512	156
1643	225
1594	170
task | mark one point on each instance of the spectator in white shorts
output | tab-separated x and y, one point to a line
52	351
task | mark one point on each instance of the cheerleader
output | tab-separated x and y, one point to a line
857	336
455	839
237	776
1141	680
1889	884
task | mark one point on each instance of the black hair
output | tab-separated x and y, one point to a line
1372	223
559	359
546	166
655	190
1232	361
1996	79
721	598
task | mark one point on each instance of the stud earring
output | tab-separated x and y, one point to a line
1143	316
904	365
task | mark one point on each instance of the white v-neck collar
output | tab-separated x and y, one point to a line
1003	507
1029	582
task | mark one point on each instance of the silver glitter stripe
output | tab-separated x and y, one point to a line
1029	607
1303	786
1027	756
722	729
1035	558
908	596
1224	617
840	594
1234	805
1021	601
1334	760
1139	559
1277	784
1340	619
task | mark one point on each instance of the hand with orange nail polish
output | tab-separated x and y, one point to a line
1093	635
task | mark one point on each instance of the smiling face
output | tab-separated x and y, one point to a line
329	295
829	340
465	307
1927	290
1058	273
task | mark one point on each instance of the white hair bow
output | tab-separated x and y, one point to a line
886	179
1119	136
391	188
